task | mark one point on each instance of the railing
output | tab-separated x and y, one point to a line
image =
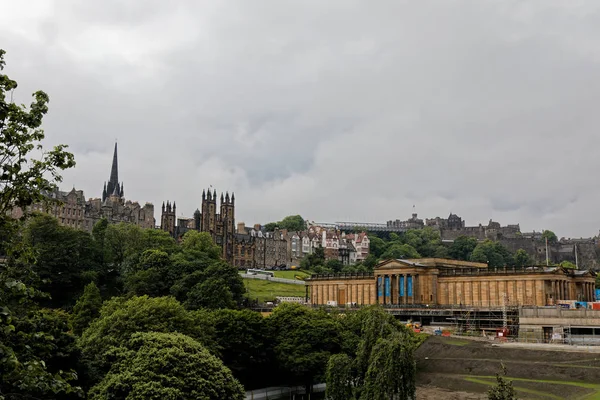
353	275
274	393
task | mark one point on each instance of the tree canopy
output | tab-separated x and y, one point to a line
292	223
139	371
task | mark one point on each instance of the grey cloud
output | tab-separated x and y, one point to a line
335	110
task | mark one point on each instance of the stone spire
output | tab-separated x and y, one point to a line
113	187
114	170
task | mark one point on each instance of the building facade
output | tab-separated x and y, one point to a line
442	282
73	210
219	222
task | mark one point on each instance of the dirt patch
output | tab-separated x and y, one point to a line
442	363
434	393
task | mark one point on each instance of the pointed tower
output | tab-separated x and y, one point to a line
113	186
167	218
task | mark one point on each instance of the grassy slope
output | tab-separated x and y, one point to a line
266	291
290	274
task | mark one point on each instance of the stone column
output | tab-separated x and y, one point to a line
416	298
405	287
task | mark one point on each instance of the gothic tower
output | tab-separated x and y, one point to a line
209	213
113	186
167	218
228	222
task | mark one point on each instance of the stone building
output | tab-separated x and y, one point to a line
442	282
72	209
220	225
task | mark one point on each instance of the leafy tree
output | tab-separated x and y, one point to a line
335	265
504	389
492	253
194	241
339	377
211	293
151	276
398	251
462	248
120	318
24	372
522	259
313	260
270	227
568	265
37	353
377	246
370	262
86	309
62	255
243	339
292	223
25	180
551	236
303	341
139	371
392	370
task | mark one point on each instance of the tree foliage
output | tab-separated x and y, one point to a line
120	318
462	248
303	341
339	377
161	366
492	253
551	236
243	339
86	309
24	178
522	259
292	223
503	390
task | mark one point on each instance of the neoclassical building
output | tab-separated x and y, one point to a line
441	282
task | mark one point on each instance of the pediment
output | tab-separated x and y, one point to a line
393	264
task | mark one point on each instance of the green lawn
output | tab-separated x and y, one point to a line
290	274
490	380
267	291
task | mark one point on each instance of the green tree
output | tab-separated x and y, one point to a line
62	256
504	389
333	264
399	251
37	353
568	265
377	246
462	248
551	236
339	377
139	372
86	309
212	293
24	179
202	242
303	341
492	253
392	370
151	275
522	259
120	318
243	341
293	223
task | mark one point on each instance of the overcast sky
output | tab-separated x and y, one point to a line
335	110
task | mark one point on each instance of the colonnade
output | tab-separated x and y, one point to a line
397	289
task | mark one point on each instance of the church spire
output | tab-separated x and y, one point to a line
114	170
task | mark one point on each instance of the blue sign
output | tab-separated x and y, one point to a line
379	288
387	287
409	285
597	294
401	280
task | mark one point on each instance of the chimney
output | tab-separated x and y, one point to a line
241	228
